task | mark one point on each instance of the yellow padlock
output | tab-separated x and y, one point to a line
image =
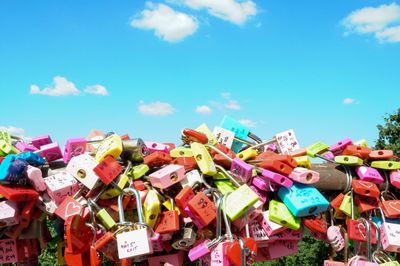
181	152
247	154
138	171
345	206
203	159
151	208
112	145
303	161
203	128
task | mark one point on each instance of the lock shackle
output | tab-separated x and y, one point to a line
387	184
248	143
381	213
91	212
225	172
219	151
93	229
203	180
130	191
147	226
243	251
349	178
352	203
160	195
391	195
228	230
368	237
378	236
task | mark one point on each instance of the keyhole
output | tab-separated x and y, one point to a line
309	177
182	243
282	180
283	222
312	209
380	152
181	153
346	159
152	216
390	164
367	191
240	156
199	157
174	177
81	173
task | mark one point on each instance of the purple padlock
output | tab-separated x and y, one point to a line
23	147
199	251
338	147
51	152
369	174
277	178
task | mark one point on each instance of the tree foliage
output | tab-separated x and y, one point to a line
389	133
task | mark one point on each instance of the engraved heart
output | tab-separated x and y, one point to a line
395	205
72	208
363	170
361	227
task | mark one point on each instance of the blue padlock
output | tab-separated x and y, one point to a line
303	200
32	158
5	166
240	131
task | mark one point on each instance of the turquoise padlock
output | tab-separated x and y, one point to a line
240	130
303	200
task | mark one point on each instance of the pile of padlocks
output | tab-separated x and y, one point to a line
221	197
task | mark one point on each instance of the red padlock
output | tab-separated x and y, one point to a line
108	169
157	159
276	166
18	193
203	208
365	188
359	151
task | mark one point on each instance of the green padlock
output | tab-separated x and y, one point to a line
348	160
345	206
102	214
280	214
316	148
138	171
386	165
181	152
224	186
240	201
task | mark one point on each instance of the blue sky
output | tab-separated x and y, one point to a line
327	69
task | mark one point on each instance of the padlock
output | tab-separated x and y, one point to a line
331	262
286	141
133	150
138	171
304	175
390	207
202	208
367	260
189	136
18	193
23	147
224	136
247	154
186	238
365	188
108	169
381	155
357	230
77	234
188	162
262	196
51	152
107	245
46	204
280	214
112	145
303	161
276	166
286	159
276	178
151	146
366	204
240	131
35	176
157	159
240	201
167	176
269	226
316	224
335	234
74	147
278	249
151	208
303	200
369	174
61	185
359	151
10	252
102	214
203	159
316	149
183	197
95	256
192	178
395	178
121	181
81	167
68	208
338	147
135	242
41	140
262	184
169	220
9	213
224	160
346	204
181	152
386	165
348	160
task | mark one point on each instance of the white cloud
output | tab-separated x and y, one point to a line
61	87
233	105
204	110
226	95
168	24
15	131
96	89
237	12
382	21
348	101
248	122
156	109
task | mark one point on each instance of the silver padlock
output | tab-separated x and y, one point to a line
186	239
133	150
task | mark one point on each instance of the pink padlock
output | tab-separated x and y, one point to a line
10	251
41	140
23	147
155	146
242	169
175	259
36	178
328	155
157	242
199	250
51	152
74	147
258	234
279	249
218	255
167	176
338	147
395	178
61	185
262	196
369	174
270	227
288	235
335	238
263	184
193	218
304	175
9	214
253	213
277	178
